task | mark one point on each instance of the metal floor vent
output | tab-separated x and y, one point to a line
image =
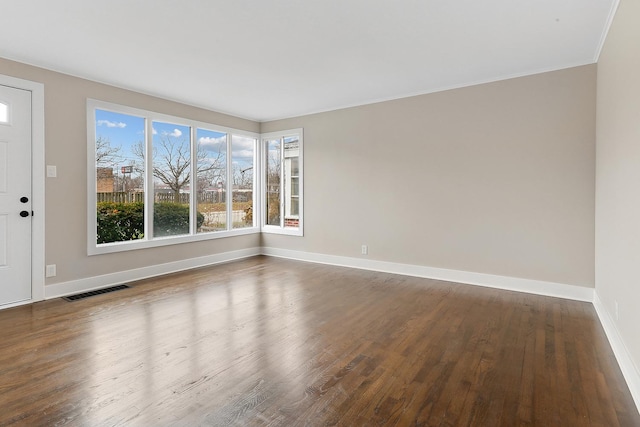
97	292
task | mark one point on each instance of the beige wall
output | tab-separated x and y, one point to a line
496	178
618	176
66	195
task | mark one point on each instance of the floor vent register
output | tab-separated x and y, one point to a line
84	295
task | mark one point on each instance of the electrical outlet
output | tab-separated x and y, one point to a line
51	270
365	249
52	171
617	311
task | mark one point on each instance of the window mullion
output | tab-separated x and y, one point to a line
282	183
263	183
193	182
149	190
256	196
301	182
228	184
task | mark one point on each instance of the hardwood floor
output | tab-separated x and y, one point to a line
272	342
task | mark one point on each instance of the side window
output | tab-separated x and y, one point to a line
282	191
291	177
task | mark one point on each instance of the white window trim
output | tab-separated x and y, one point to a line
96	249
275	229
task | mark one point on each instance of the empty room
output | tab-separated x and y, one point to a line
307	213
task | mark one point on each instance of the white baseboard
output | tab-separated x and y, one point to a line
97	282
487	280
628	368
537	287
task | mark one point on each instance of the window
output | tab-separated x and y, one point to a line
119	176
4	113
243	154
171	166
156	179
282	188
212	179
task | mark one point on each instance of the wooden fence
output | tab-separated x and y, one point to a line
204	197
120	197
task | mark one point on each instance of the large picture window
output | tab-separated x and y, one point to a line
282	177
156	179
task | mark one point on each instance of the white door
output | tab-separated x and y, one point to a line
15	195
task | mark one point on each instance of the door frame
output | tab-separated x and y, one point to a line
37	185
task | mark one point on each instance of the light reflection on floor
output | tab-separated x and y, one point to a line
188	340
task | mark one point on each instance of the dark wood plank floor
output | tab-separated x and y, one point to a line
271	342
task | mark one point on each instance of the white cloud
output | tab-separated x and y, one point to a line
239	142
110	124
242	148
154	131
243	155
211	143
176	133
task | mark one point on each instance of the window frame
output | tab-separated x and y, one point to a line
264	158
93	248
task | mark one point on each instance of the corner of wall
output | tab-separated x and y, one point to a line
629	370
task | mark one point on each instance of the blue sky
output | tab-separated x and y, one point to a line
125	131
121	130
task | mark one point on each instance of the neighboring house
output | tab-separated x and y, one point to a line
291	184
105	180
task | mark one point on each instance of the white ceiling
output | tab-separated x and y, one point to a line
267	59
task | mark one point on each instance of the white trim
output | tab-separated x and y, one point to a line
149	185
228	183
16	304
276	229
155	116
625	361
37	184
605	30
98	282
537	287
131	245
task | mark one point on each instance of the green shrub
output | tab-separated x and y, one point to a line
119	222
170	219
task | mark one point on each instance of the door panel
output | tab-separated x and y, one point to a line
15	183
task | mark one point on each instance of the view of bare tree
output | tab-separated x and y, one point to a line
242	178
274	166
106	154
172	163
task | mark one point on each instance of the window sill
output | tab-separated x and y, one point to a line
107	248
286	231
